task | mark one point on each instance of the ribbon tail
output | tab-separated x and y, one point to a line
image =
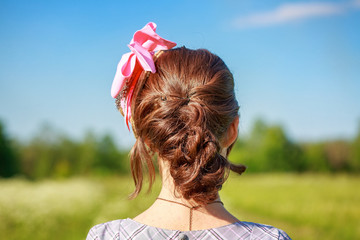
128	108
124	71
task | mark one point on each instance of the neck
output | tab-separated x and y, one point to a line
168	190
176	212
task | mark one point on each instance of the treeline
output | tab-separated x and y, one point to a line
50	154
268	148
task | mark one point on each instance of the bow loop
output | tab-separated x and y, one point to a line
149	39
142	46
143	56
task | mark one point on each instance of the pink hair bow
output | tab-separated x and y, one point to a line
143	46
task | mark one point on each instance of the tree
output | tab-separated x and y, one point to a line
315	157
87	153
268	149
109	158
280	153
8	161
39	155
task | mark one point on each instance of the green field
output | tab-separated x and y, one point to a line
305	206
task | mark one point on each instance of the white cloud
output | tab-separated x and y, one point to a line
293	12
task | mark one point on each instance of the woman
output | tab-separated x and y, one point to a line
182	108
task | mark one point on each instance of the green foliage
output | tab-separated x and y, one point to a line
53	155
8	159
268	148
315	157
109	158
355	153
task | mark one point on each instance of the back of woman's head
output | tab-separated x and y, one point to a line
181	113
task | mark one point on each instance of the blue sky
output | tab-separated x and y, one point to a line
296	63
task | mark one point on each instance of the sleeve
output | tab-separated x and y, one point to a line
105	231
92	235
283	235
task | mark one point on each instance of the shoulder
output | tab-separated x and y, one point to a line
105	231
121	229
262	231
129	229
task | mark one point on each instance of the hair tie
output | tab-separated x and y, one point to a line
143	46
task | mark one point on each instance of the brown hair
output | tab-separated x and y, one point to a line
180	113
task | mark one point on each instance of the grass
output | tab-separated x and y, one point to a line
305	206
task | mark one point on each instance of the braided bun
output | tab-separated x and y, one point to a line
181	113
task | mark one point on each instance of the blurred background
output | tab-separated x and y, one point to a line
64	147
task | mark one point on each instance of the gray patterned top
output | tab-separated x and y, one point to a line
130	229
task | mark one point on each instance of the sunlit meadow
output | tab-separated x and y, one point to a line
305	206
